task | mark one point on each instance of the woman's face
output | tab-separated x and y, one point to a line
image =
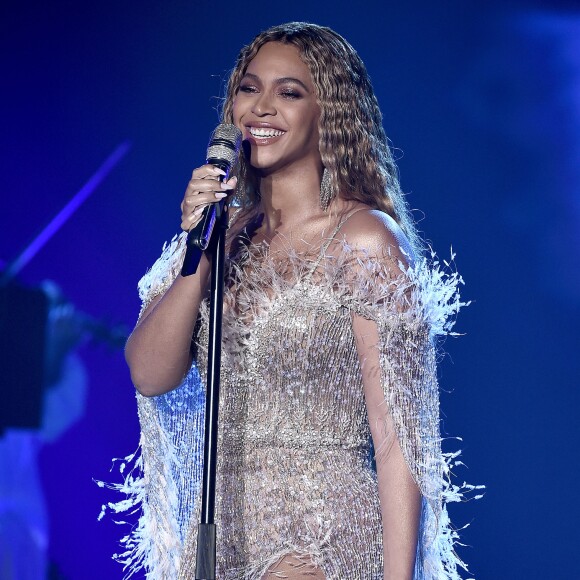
276	109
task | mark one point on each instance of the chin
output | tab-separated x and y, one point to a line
264	163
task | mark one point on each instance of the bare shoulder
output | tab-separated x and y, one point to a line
377	233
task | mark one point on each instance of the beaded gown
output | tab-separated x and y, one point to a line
295	470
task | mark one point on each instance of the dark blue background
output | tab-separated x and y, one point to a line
483	99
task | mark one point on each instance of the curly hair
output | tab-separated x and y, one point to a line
353	145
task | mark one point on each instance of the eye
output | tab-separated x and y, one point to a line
244	88
291	94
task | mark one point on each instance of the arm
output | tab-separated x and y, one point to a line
158	351
399	495
398	311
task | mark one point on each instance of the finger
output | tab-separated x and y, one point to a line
232	181
193	200
204	192
207	172
207	185
198	201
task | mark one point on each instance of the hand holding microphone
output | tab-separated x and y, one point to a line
204	188
206	193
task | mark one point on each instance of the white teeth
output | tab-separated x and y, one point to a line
256	132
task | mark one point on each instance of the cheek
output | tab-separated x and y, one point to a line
312	113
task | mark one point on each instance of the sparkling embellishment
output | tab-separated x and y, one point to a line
326	190
294	469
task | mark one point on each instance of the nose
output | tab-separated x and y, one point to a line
264	105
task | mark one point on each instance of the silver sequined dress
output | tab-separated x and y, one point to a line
295	471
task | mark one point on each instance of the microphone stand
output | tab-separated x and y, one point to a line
206	535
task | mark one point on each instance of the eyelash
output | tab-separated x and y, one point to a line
289	94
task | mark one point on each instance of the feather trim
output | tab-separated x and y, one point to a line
412	306
135	544
154	545
164	271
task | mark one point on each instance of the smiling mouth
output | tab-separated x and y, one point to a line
262	133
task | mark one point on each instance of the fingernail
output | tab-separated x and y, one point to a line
219	171
225	185
198	211
220	194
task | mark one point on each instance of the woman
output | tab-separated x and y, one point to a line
329	318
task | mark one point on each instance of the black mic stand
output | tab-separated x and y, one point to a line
210	233
206	535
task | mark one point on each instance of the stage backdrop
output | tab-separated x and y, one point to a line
482	105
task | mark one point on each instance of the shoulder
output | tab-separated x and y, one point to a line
377	234
165	269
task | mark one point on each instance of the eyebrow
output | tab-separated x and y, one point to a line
280	81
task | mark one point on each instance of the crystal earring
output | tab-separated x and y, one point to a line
325	190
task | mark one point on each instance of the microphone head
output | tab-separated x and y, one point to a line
224	145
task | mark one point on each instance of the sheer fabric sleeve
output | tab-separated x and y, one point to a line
399	313
160	481
163	272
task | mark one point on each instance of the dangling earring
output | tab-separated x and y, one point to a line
325	190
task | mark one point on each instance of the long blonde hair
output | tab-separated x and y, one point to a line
353	144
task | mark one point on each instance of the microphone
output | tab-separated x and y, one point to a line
222	151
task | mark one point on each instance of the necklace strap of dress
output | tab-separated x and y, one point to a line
329	240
